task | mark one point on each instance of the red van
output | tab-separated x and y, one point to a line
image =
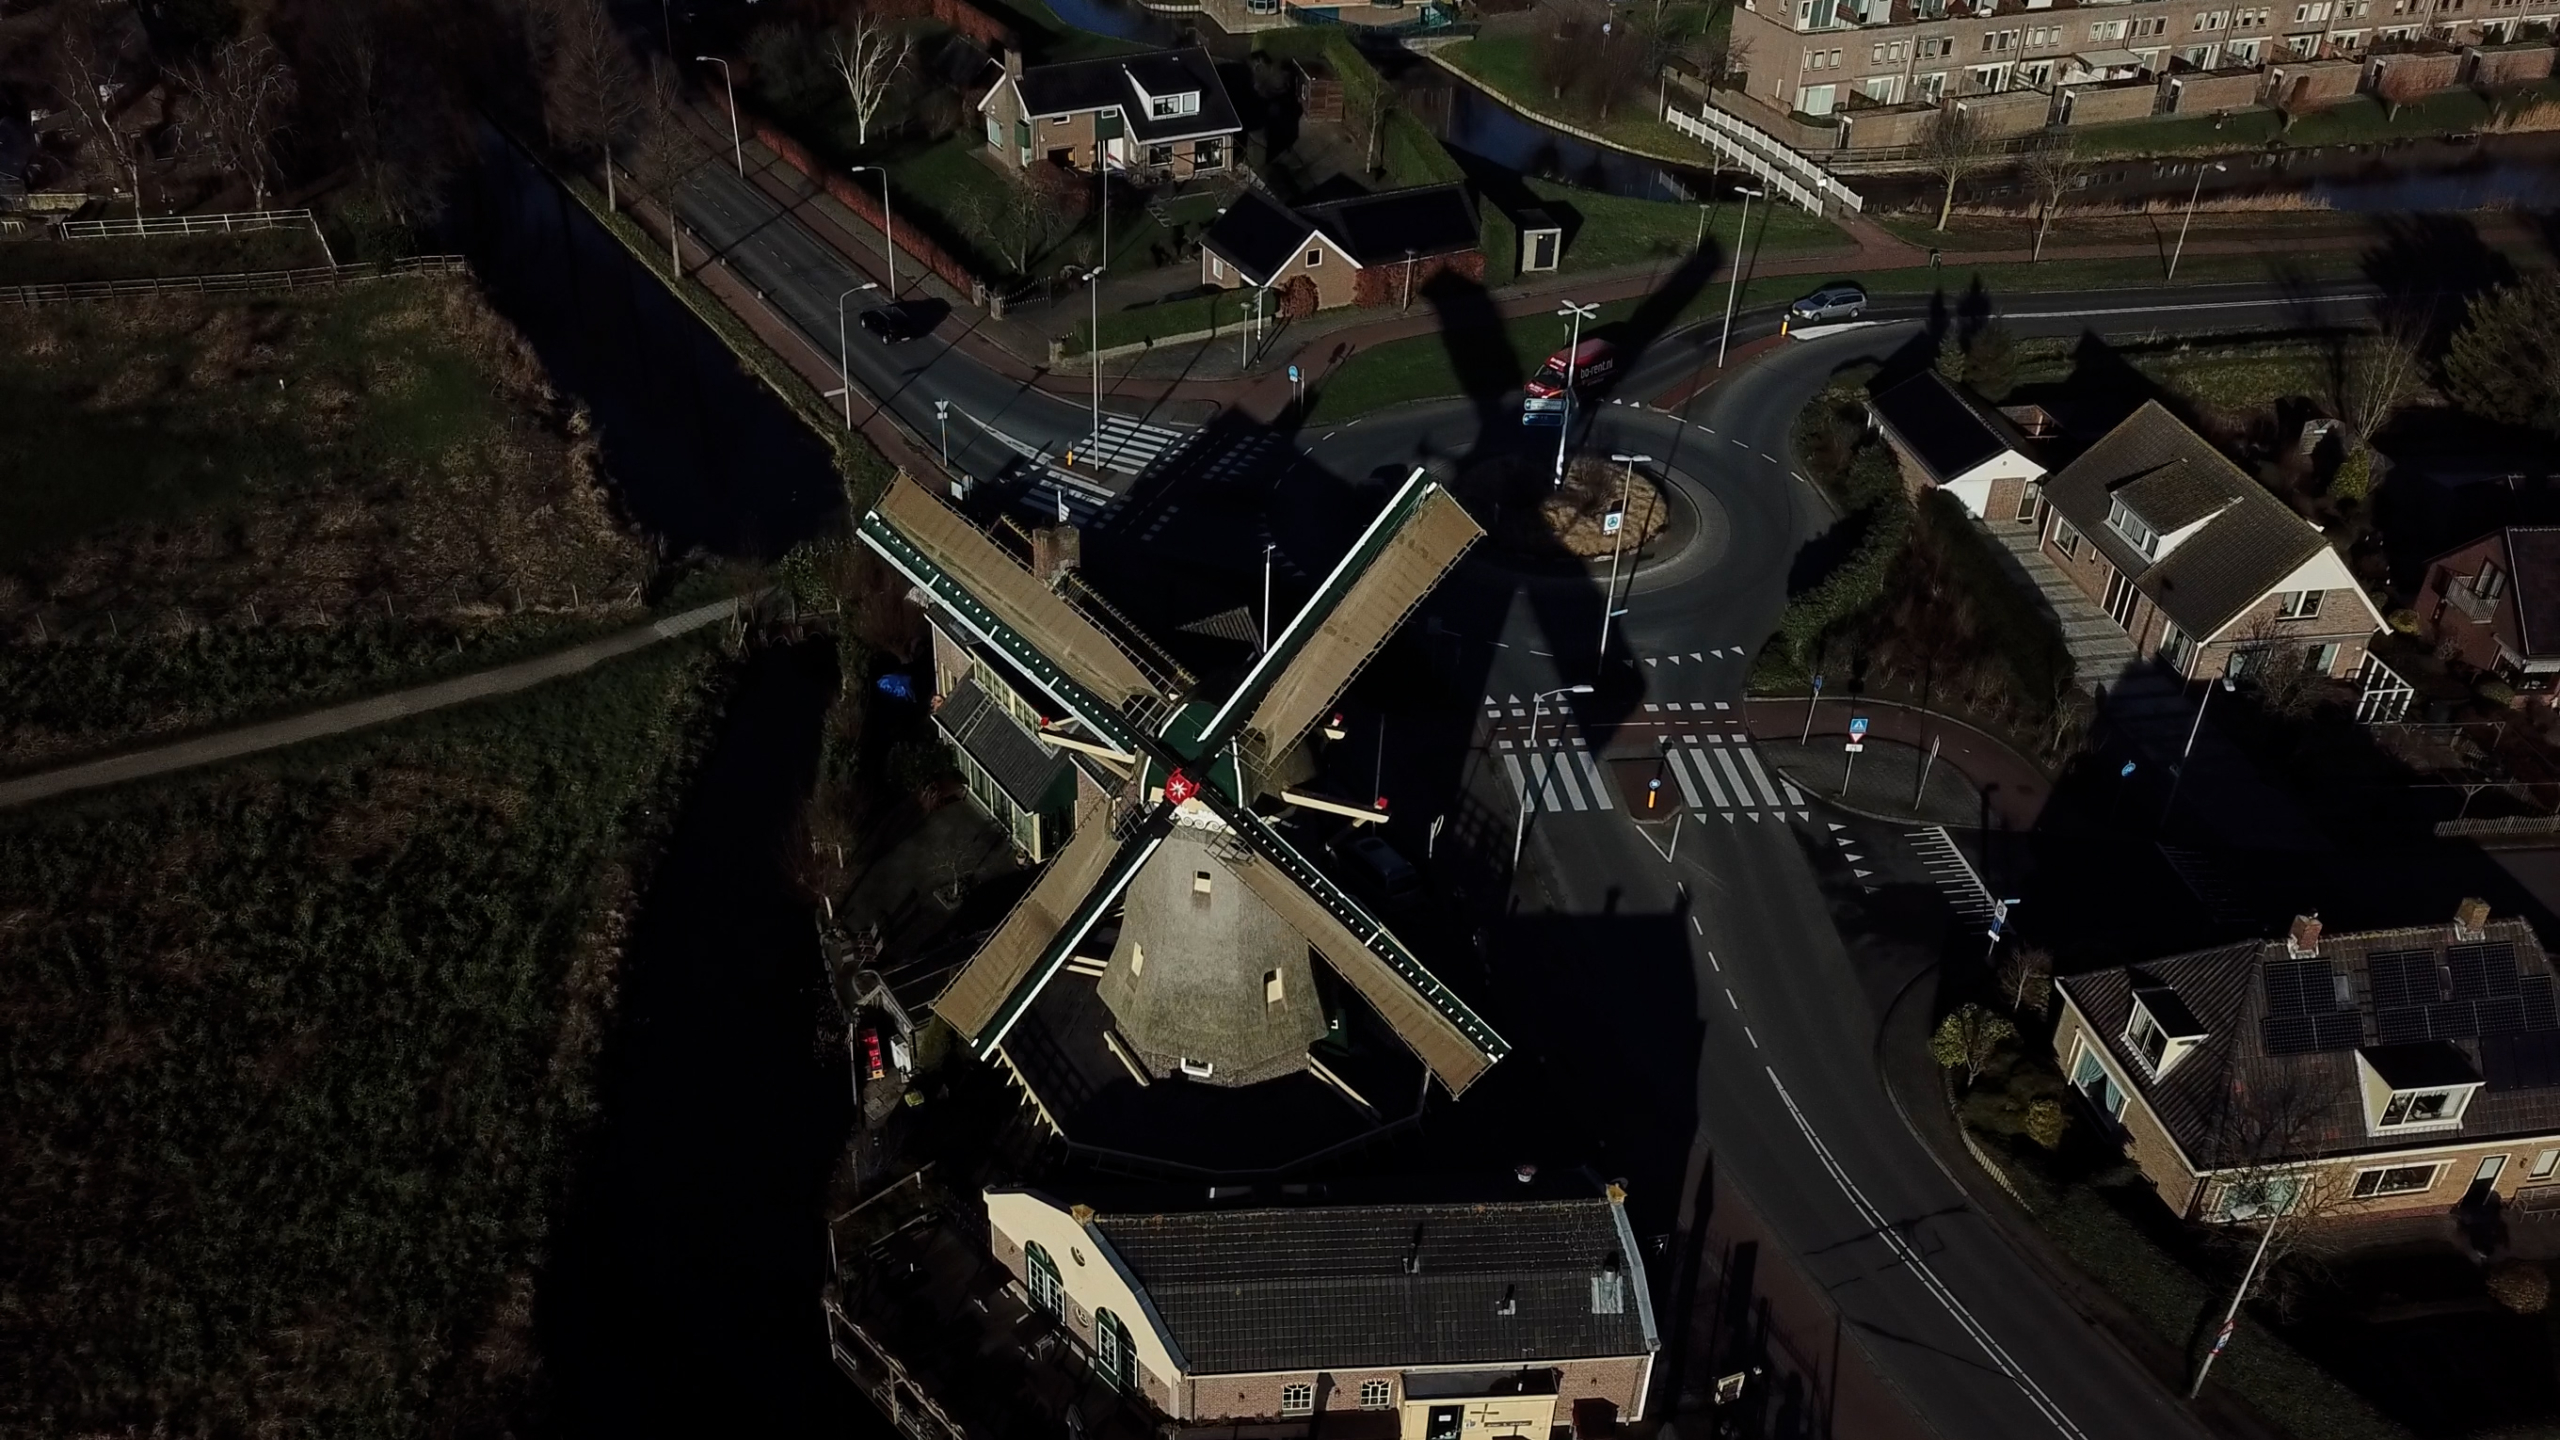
1590	364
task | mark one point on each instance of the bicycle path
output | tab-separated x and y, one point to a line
357	714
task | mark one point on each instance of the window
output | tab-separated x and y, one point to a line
1022	136
1297	1398
1208	155
1272	992
1114	1358
2089	1076
1381	1394
2422	1107
2156	25
1048	1294
2044	35
2544	1162
1315	256
2028	498
2148	1040
2106	30
1937	47
1875	54
1166	107
2178	648
2395	1180
2066	539
2314	13
2298	604
1930	87
1159	155
2257	1198
1201	884
2490	583
2321	659
1217	268
2124	522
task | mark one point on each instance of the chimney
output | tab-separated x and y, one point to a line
1012	63
1055	550
2303	941
2470	918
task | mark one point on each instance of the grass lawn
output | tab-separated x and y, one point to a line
304	474
1507	65
1220	311
2361	120
2237	375
1607	231
50	262
1421	368
300	1052
2108	227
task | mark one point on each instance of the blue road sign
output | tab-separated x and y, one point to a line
1293	374
2127	772
1857	729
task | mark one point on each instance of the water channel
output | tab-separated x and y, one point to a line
683	1290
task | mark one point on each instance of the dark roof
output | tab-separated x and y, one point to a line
1425	220
1257	235
1117	82
2248	547
2171	1013
2533	553
1022	768
1947	433
2421	1063
1382	1285
2277	1034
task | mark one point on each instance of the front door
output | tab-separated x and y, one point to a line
2120	597
2484	1182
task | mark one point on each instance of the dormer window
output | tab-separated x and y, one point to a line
2415	1088
2130	528
2161	1031
1167	107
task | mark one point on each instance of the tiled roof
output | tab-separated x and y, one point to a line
1390	1285
1948	434
1079	85
1257	235
2249	546
1378	229
2417	987
2534	555
1021	767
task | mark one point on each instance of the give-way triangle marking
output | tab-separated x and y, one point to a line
1863	874
1836	829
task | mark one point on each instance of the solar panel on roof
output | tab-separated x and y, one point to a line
2538	1011
2291	1034
2402	977
2521	1062
2453	1020
2400	1025
2284	989
2501	1014
2340	1030
2480	971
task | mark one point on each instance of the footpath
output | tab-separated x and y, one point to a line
358	714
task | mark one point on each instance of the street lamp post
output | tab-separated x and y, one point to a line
1537	771
1408	282
844	351
2179	777
942	416
888	227
2192	194
1093	352
1733	279
1617	541
737	146
1577	313
1265	647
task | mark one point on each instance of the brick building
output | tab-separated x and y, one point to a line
2495	604
1162	115
2200	565
1380	249
1823	57
2415	1069
1416	1322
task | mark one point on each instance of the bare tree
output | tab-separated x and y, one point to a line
241	98
89	57
1953	145
2377	373
868	55
2280	669
2053	169
2269	1185
595	97
1019	224
2396	86
2028	977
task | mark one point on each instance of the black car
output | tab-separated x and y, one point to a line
902	321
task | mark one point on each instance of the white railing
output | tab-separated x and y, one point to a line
1751	148
236	222
307	278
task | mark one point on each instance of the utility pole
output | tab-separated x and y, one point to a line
1733	281
1093	352
2231	1317
1265	648
1617	542
888	227
1577	313
2181	247
844	352
2178	777
1537	776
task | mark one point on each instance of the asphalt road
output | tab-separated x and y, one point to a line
1788	1101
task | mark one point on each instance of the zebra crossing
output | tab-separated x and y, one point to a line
1953	874
1711	771
1557	780
1723	774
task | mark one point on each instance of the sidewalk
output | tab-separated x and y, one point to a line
2010	784
357	714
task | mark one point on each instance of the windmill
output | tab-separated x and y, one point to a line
1216	910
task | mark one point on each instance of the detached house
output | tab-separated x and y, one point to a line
2496	603
1420	1322
1163	115
2195	560
1377	249
1947	439
2389	1071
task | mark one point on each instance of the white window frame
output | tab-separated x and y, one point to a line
2145	1036
2066	538
2087	1057
1298	1398
2132	529
1315	256
2454	1099
1377	1394
2545	1162
2356	1187
2298	604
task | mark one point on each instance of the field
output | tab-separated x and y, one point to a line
1507	65
43	262
214	506
299	1053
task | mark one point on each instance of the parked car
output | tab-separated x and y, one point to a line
1377	869
1831	302
903	321
872	1068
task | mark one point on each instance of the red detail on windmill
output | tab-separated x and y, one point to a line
1179	788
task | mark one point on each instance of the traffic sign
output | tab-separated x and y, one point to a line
2127	772
1293	374
1858	728
1817	684
1610	522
